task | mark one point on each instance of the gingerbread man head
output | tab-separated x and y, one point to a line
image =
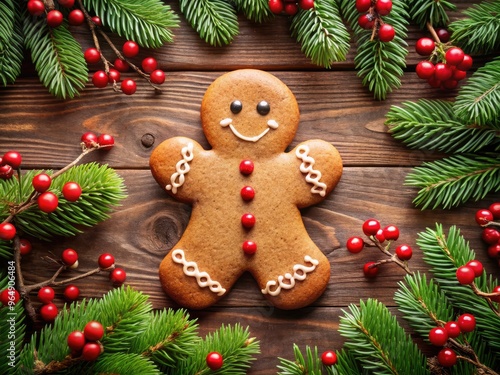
246	193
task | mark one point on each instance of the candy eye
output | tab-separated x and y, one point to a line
263	108
236	107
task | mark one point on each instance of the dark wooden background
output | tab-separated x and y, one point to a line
334	106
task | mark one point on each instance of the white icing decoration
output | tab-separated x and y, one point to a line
182	167
300	272
313	175
191	269
229	122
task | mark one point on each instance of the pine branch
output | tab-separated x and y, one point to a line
321	32
214	20
255	10
11	41
433	125
310	364
378	342
147	22
346	364
423	11
452	181
379	64
477	101
479	33
57	56
125	364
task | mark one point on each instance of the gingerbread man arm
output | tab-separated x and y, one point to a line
171	164
320	165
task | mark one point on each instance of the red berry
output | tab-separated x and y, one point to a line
386	33
443	35
128	86
466	63
6	171
276	6
69	257
36	7
246	167
247	220
71	191
494	250
7	231
89	139
93	331
118	276
121	65
249	247
92	55
46	294
91	351
149	64
404	252
476	266
454	56
363	6
24	246
453	329
54	18
442	72
71	293
494	208
76	17
291	8
466	322
496	290
76	340
391	233
447	357
465	275
371	227
355	244
130	48
380	236
66	3
459	75
100	79
366	21
106	260
490	236
106	140
438	336
425	46
113	76
9	297
12	158
369	270
450	84
214	361
41	182
306	4
49	312
425	69
97	20
329	358
383	7
157	76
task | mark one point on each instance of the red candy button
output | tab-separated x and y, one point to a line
249	247
247	193
248	221
246	167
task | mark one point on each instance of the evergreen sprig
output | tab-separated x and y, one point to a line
214	20
321	32
11	41
435	125
308	364
479	32
147	22
255	10
434	12
57	56
379	64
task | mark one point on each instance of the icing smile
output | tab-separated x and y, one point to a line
272	124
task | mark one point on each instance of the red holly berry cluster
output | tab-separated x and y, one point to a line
290	7
372	12
87	344
446	65
378	236
487	218
443	335
55	17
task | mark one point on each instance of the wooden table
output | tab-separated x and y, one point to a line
334	106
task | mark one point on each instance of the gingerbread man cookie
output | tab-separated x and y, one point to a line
246	193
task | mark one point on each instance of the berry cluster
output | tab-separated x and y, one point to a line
444	335
446	65
487	218
378	236
214	361
372	12
290	7
53	16
86	344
